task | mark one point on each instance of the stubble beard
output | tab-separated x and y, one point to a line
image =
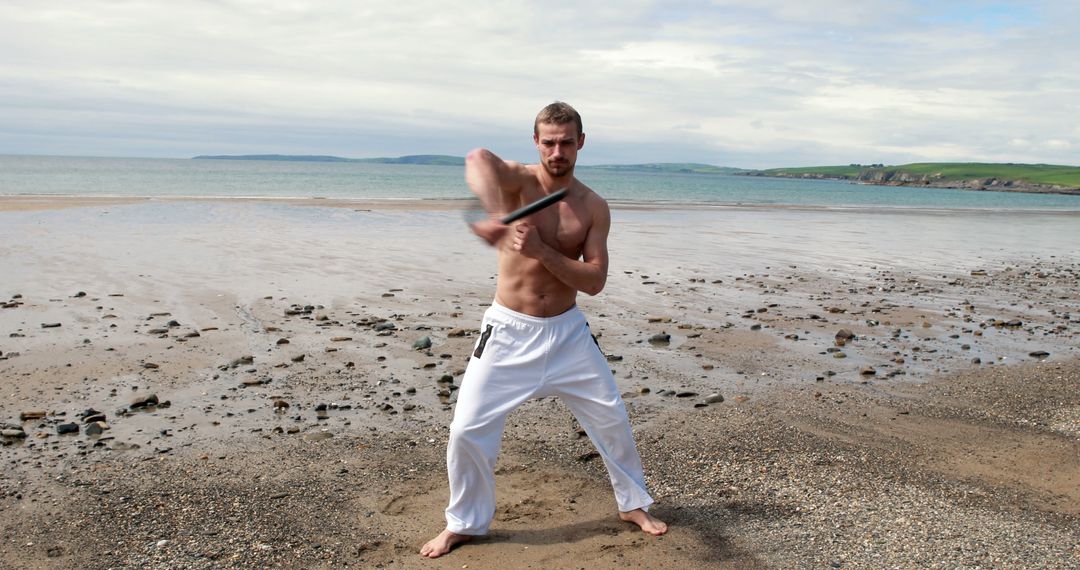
559	169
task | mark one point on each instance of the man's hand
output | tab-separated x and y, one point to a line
491	231
527	240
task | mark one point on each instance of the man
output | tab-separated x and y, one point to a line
534	341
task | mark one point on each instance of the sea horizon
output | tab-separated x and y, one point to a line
135	177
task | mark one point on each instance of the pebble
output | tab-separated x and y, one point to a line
144	402
423	343
96	428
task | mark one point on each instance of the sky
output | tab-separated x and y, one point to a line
761	84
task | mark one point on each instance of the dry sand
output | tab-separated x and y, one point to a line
895	449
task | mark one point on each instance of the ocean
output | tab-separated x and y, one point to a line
152	177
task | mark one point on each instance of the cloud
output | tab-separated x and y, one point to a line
769	83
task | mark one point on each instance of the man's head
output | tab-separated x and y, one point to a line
558	135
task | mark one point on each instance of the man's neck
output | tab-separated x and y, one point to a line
552	184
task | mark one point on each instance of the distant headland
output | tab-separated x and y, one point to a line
1004	177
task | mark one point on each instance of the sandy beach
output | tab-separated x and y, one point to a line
268	384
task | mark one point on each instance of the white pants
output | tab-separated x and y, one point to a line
519	357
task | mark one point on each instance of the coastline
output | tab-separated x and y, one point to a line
809	460
977	185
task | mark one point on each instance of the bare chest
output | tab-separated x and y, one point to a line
564	227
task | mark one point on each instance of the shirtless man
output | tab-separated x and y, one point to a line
534	340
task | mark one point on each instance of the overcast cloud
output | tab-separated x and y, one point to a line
734	83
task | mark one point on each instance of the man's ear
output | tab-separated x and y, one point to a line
581	141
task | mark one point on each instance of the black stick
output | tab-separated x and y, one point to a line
535	206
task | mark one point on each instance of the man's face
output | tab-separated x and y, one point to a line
558	146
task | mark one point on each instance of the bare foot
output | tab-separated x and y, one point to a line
445	542
648	523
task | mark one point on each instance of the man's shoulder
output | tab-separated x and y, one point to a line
590	196
594	203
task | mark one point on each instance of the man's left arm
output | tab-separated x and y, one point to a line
589	274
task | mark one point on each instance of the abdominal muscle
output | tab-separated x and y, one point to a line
526	286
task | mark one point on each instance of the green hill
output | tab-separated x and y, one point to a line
1003	176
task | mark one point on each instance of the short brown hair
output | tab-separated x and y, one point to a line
558	113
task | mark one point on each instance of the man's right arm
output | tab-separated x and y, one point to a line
497	183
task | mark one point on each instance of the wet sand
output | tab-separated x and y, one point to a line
297	426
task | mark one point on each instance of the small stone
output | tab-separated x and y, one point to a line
456	332
1040	354
423	343
298	358
63	429
50	325
32	415
714	399
660	338
96	428
13	433
144	402
242	361
867	371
